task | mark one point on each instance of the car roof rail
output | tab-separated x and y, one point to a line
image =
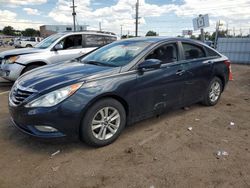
103	32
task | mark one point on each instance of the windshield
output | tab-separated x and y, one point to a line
116	54
48	41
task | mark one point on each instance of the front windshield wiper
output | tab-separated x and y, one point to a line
98	63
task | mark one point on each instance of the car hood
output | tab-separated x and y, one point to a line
19	52
59	75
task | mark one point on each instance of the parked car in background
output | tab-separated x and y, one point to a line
209	43
17	42
1	43
56	48
95	96
29	42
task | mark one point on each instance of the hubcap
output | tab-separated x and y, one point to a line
105	123
214	91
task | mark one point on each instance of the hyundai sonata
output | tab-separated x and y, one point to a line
95	96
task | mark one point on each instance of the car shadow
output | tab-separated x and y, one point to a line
12	136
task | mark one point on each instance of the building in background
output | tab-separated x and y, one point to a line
46	30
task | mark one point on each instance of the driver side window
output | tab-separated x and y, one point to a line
167	53
71	42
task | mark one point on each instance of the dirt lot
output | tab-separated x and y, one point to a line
159	152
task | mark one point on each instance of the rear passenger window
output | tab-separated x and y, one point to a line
192	51
109	39
94	41
32	39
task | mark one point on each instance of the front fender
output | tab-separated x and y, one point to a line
31	58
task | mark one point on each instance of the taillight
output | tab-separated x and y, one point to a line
230	74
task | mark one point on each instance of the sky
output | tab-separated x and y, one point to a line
166	17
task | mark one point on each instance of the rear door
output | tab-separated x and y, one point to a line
160	88
198	71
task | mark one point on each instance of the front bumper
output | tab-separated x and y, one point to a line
64	117
11	71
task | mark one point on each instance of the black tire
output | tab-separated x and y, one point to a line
28	46
29	68
208	101
86	133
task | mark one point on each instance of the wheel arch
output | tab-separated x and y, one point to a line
110	95
100	97
40	63
222	78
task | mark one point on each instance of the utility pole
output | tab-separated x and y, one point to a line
136	17
202	35
121	31
227	30
216	34
202	32
74	15
100	26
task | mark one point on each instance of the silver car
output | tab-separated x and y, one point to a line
56	48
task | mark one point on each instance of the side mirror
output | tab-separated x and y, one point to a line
149	64
58	47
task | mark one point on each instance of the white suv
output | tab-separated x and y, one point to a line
56	48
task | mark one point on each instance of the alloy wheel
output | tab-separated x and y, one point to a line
105	123
215	91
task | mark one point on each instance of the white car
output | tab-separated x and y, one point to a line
56	48
29	42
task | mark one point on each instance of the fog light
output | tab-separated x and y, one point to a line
46	129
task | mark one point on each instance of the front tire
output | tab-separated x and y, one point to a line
213	92
103	122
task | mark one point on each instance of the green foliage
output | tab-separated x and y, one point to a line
151	33
8	30
29	32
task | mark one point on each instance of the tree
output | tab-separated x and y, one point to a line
29	32
151	33
8	30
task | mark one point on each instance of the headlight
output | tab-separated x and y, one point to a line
11	59
54	97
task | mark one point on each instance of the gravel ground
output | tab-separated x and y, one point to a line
158	152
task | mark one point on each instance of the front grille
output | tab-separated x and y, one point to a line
19	94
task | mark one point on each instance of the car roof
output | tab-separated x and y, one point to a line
89	32
157	39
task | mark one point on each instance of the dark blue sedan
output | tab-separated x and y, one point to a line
94	97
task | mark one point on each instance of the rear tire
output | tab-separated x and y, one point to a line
103	122
29	68
28	46
213	92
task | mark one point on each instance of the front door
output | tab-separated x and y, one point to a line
72	48
161	88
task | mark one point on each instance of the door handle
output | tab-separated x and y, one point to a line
207	62
180	72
